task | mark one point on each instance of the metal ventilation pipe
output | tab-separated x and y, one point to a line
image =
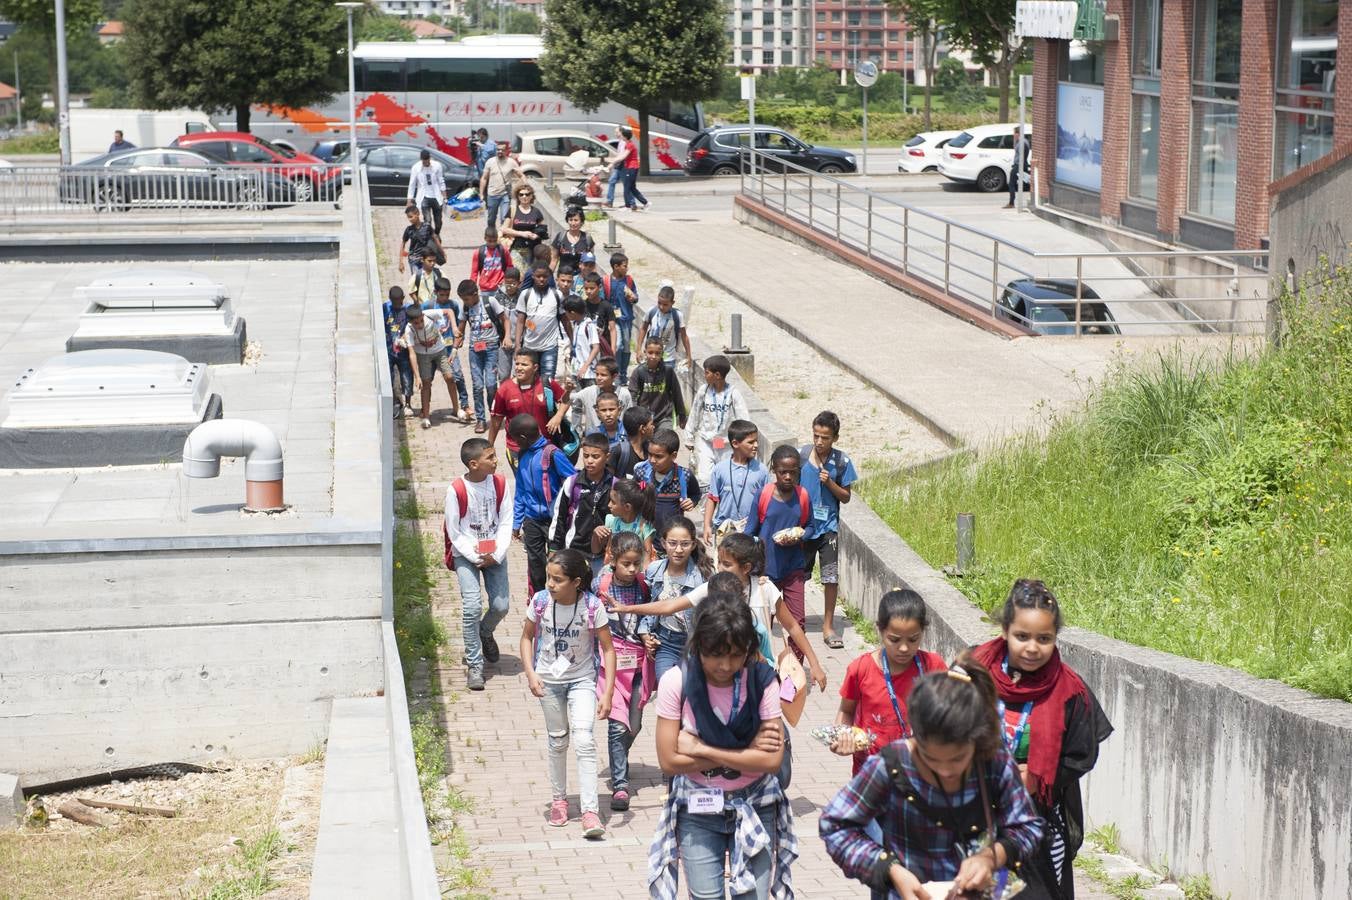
262	453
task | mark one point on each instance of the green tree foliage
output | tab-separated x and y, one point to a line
372	25
38	18
229	54
923	19
638	52
94	68
483	16
985	28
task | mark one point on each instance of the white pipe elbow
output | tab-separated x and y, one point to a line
211	440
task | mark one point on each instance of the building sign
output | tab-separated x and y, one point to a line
1079	136
1046	19
1065	20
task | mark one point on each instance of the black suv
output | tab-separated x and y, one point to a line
721	150
1047	306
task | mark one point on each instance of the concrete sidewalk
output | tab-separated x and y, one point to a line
969	386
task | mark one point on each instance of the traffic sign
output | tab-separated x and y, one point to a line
866	73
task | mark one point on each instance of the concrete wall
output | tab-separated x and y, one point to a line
1312	216
1210	770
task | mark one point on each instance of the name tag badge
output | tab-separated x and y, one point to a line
626	661
720	442
530	326
480	346
559	667
706	801
821	513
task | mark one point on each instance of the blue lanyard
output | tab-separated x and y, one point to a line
892	692
736	695
1013	742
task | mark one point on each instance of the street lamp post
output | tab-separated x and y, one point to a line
18	93
62	84
351	92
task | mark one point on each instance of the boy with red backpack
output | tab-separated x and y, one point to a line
477	533
783	511
541	469
489	264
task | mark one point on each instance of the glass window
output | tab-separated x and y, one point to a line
245	152
1215	62
768	57
786	57
768	17
438	75
875	17
746	39
746	18
1215	141
821	16
1147	47
184	161
990	143
380	75
402	157
1083	62
821	35
549	146
891	56
835	15
746	56
379	158
1307	51
835	56
1144	164
521	75
219	149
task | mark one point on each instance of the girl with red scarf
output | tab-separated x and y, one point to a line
1052	724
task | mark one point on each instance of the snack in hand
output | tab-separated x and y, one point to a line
861	738
788	535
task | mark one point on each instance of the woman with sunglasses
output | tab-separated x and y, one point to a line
526	227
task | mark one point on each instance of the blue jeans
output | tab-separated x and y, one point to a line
549	362
458	374
632	195
570	712
669	650
705	841
626	337
610	186
401	369
620	740
496	207
472	605
483	373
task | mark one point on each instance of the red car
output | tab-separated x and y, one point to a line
312	178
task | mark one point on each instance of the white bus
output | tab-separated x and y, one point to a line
437	92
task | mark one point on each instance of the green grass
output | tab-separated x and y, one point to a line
1202	508
41	142
245	875
419	635
1107	838
865	628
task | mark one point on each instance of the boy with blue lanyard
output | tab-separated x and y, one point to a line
665	323
714	407
736	483
827	476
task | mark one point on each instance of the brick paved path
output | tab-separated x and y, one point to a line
496	743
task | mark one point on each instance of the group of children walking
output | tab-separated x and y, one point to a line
653	578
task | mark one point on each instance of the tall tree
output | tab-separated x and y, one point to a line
219	55
985	28
922	17
40	16
638	52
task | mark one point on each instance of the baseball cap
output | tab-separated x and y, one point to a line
588	257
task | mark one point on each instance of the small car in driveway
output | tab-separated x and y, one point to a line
982	156
1047	306
311	178
721	150
330	150
388	167
170	177
923	152
541	152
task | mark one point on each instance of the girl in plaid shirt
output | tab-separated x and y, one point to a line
938	793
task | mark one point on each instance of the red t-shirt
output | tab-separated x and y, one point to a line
513	400
631	161
873	707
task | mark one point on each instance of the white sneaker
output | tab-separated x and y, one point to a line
427	423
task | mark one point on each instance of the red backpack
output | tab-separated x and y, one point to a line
462	504
804	504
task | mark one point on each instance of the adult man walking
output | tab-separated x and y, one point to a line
627	161
427	185
501	174
1020	165
120	144
485	150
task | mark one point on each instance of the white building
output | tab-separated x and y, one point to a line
770	33
417	9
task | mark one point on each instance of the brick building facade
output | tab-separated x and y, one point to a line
846	31
1203	104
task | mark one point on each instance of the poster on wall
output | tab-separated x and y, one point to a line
1079	136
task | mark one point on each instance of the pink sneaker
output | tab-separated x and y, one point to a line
591	826
558	813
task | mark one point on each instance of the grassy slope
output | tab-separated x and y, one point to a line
1202	511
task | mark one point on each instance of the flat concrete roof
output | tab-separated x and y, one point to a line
290	308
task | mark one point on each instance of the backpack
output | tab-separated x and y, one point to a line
462	505
482	255
539	601
629	282
644	475
566	440
574	498
804	504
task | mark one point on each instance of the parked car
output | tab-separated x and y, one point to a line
541	152
720	151
330	150
1047	306
923	152
982	156
310	177
388	167
170	176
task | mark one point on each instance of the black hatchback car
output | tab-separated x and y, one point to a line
722	150
1047	306
388	167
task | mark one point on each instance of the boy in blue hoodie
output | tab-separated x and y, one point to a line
540	471
401	367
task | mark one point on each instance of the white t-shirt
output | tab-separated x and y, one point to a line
484	520
427	182
426	340
542	318
585	337
569	633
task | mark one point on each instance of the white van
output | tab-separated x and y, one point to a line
982	156
91	130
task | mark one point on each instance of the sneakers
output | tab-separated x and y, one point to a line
591	826
619	801
475	680
426	423
490	646
398	411
558	813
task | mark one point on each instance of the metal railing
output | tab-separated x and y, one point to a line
27	190
1104	292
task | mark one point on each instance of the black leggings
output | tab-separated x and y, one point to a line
535	536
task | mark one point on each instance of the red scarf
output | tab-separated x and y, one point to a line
1050	688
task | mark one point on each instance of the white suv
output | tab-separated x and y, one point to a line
981	155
